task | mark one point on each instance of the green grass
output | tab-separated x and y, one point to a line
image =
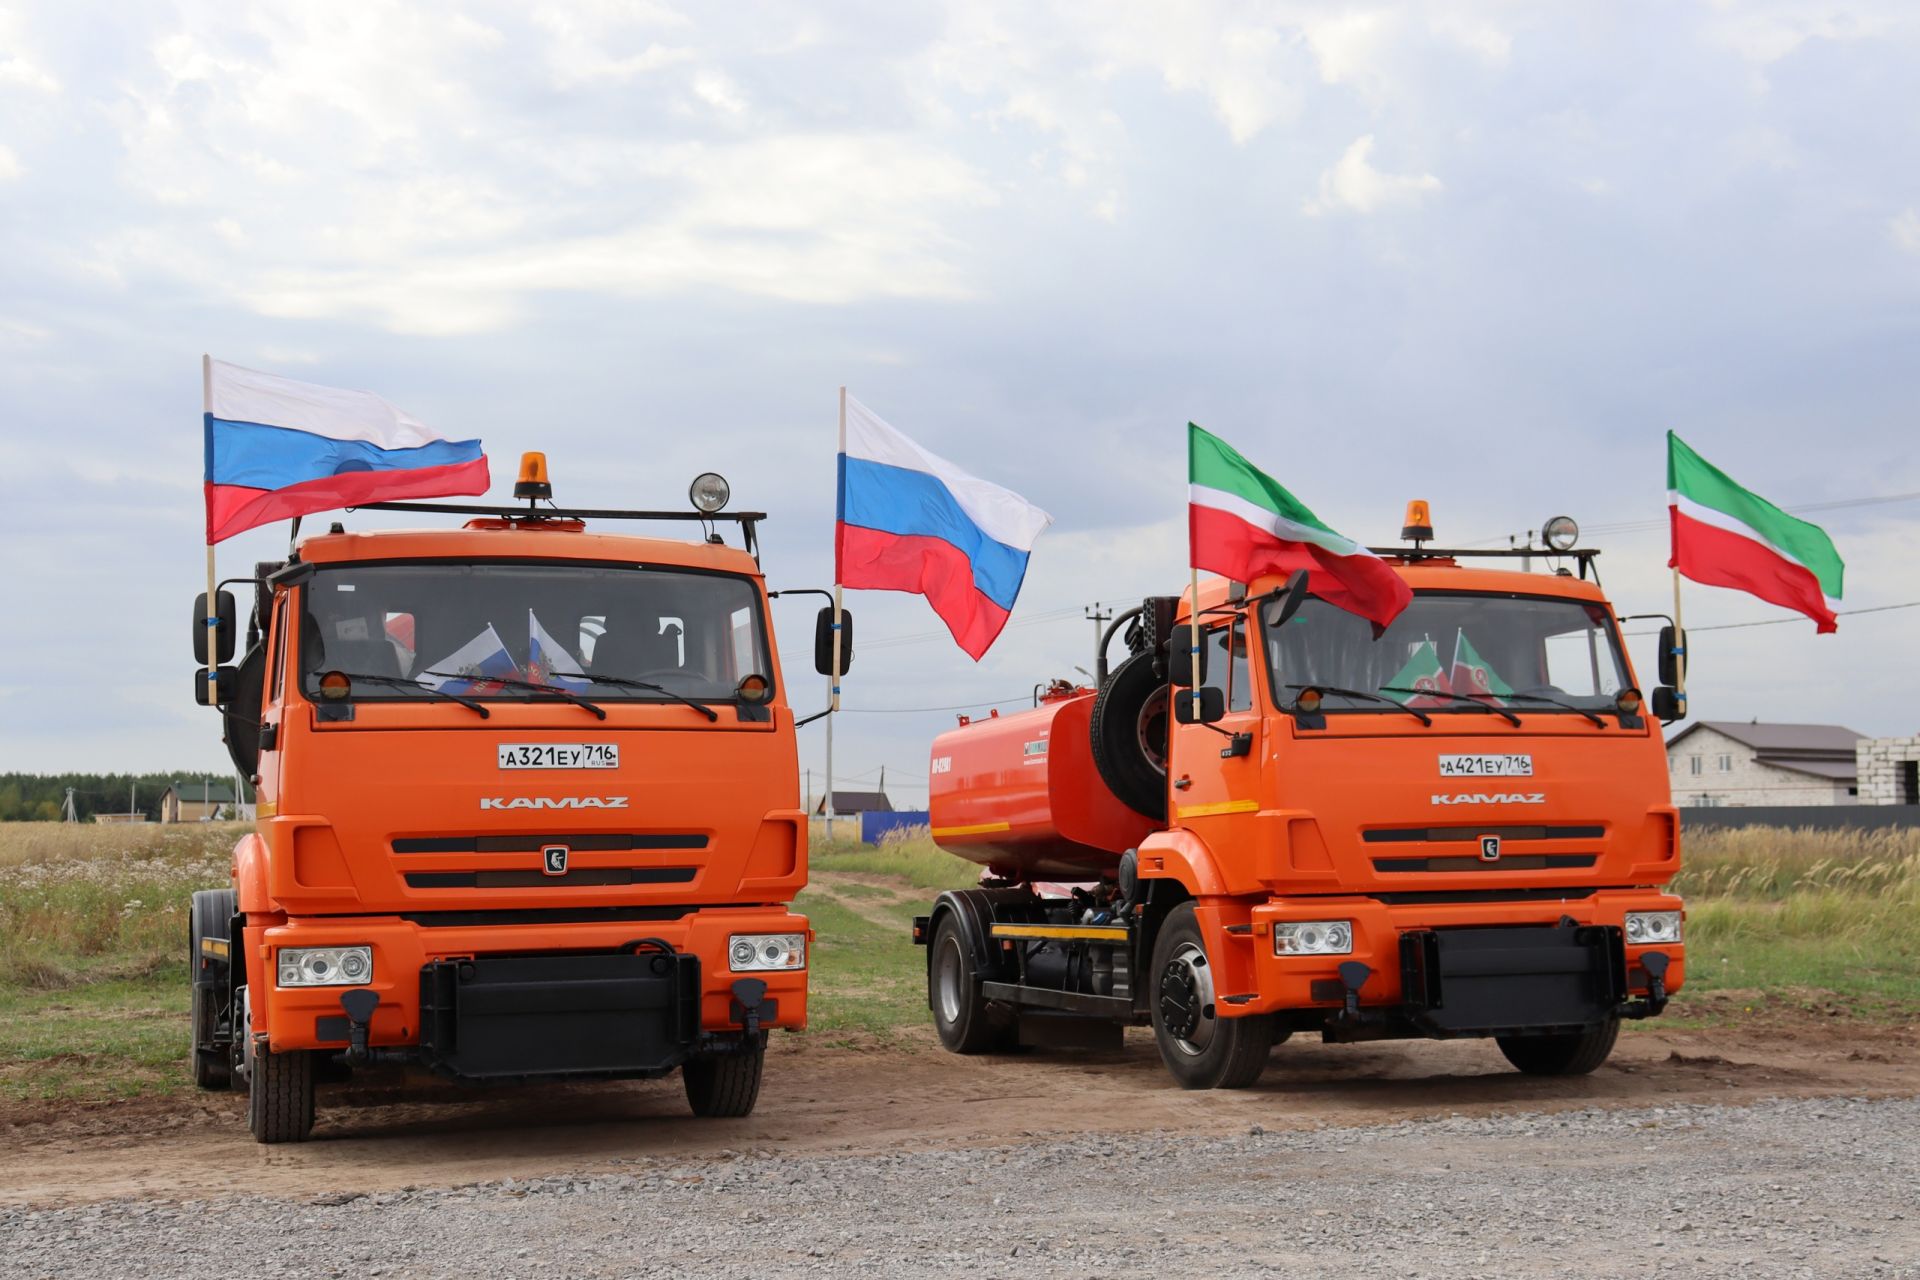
908	856
93	988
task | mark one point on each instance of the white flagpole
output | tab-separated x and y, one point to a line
1193	661
1680	641
213	604
833	679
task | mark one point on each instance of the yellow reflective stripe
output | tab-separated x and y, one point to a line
214	947
977	829
265	809
1090	932
1213	810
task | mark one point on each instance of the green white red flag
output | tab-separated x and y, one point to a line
1243	524
1422	676
1472	675
1727	536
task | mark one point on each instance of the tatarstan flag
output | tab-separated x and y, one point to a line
1244	524
1726	536
1472	674
1422	676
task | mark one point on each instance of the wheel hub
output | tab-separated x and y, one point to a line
1186	999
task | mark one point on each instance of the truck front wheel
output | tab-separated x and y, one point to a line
1200	1048
726	1085
280	1096
960	1013
1565	1055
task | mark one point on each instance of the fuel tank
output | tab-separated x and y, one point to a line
1020	794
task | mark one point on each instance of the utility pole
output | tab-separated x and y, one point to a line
66	810
1099	621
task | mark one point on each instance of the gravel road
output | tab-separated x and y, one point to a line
1808	1188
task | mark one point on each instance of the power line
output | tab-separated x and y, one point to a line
1643	526
964	706
1776	622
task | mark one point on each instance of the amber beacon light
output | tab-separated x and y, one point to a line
1417	527
532	484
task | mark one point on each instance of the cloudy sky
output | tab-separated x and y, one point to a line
1481	253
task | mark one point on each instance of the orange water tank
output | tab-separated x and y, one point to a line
1020	794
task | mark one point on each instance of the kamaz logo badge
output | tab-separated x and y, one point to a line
553	802
553	859
1490	848
1496	797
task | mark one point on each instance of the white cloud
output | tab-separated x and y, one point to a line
9	164
17	67
1355	186
1904	227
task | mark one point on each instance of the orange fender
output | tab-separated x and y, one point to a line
1182	856
250	876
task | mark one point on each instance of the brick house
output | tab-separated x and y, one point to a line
1889	770
1732	762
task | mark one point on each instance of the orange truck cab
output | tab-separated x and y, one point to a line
527	810
1459	827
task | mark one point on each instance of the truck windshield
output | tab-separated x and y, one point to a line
1496	650
489	630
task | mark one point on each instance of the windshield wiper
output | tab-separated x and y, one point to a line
1541	697
530	685
1459	697
403	682
622	682
1415	712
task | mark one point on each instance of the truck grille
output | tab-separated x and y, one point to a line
586	842
541	880
1507	862
1407	835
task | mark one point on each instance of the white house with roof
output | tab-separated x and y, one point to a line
1715	763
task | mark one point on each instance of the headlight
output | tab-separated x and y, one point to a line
748	952
1313	938
325	966
1653	926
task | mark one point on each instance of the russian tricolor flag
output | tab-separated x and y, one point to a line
911	521
277	448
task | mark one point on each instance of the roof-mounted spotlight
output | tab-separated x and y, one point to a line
709	492
1560	533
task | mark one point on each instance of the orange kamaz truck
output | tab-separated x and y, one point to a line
527	810
1459	827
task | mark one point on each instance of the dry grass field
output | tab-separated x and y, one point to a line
93	990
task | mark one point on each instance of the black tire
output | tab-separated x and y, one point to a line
726	1085
280	1096
964	1019
1201	1049
1564	1055
1131	717
207	918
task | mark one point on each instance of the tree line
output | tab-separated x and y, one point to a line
40	797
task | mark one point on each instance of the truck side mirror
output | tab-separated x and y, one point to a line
1180	659
1673	656
823	642
218	691
224	632
1282	606
1668	704
1213	707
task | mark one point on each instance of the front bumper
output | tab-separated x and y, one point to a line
1462	969
489	1000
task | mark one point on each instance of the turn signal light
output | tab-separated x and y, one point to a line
533	477
1418	525
753	688
1307	700
1628	702
335	685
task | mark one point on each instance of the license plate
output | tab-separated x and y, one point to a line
1499	766
559	755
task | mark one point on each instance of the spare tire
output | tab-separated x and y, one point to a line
1130	722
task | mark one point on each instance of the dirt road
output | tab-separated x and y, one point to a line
821	1100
